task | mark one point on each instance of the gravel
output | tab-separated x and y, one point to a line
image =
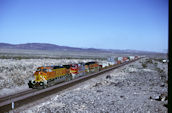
131	88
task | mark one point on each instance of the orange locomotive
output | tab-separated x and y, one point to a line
45	75
92	67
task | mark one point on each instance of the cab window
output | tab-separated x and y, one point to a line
38	69
45	70
73	65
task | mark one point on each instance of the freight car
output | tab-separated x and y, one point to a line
125	59
119	60
131	58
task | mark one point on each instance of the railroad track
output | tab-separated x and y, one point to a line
12	101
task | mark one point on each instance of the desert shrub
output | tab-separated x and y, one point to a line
149	61
144	65
159	70
155	63
3	57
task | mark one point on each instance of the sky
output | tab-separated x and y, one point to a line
103	24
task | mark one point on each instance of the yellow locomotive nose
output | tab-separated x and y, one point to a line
36	75
37	78
40	76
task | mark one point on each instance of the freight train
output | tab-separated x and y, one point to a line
49	75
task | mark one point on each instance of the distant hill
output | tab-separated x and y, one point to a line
44	46
53	47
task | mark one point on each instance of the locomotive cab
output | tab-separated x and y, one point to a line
40	77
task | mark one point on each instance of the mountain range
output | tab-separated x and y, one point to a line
53	47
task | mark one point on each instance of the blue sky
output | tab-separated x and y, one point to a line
107	24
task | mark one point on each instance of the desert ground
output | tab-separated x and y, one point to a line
140	87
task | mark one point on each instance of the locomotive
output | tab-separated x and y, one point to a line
49	75
77	70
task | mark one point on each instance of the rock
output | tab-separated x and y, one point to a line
150	97
99	91
156	110
162	97
157	98
162	85
97	84
119	84
121	96
108	77
165	105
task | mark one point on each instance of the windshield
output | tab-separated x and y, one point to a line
74	66
45	70
38	69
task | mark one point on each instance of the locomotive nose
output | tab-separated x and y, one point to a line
36	73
